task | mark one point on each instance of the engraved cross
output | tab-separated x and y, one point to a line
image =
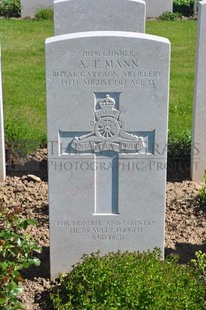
106	141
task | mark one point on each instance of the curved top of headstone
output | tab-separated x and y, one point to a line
99	15
111	34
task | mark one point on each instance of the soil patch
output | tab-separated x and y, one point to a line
26	185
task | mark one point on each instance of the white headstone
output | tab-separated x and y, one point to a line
155	8
107	114
29	7
96	15
198	151
2	143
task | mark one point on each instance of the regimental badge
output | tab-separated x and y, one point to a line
108	133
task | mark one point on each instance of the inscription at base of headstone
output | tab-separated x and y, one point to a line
107	133
97	15
198	151
2	143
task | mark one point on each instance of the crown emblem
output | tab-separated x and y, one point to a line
107	108
106	102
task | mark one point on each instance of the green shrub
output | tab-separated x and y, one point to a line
182	2
46	14
179	146
185	7
16	253
202	192
200	264
130	281
170	16
17	129
10	8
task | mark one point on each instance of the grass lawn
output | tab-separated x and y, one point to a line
23	73
182	35
23	68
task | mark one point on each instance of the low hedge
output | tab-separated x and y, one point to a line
130	281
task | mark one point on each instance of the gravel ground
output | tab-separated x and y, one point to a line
185	221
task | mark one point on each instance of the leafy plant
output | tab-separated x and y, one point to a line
182	2
17	129
130	281
16	253
200	263
185	7
202	192
10	8
46	14
170	16
179	146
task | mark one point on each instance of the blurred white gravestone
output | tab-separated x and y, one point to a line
29	7
107	110
198	157
2	143
95	15
154	8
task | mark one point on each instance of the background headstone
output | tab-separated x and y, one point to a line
2	145
29	7
96	15
154	8
107	114
198	157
